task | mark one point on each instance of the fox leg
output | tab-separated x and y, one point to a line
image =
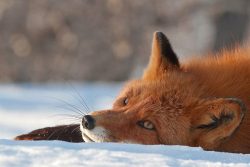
69	133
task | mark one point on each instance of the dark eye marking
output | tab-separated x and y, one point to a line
146	125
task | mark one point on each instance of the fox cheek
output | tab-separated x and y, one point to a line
132	134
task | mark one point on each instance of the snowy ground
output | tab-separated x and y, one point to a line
26	107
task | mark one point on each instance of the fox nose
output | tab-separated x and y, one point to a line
88	122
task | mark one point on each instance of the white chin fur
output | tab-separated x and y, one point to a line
98	134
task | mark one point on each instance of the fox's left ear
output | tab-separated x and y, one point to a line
215	121
162	57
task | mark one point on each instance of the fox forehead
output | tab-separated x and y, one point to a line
169	94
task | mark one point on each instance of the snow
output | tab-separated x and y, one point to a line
25	107
56	153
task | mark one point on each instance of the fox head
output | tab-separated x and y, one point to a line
165	106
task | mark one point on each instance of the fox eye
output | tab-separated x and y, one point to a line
125	101
146	124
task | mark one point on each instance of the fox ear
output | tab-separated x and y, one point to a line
162	57
216	120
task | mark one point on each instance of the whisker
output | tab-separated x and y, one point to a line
81	100
69	108
68	117
62	130
73	106
77	130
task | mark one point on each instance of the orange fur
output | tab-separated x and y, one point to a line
178	100
201	103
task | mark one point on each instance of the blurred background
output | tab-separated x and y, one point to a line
62	57
92	40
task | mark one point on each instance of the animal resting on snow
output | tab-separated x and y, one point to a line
202	102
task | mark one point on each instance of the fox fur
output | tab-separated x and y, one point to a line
201	103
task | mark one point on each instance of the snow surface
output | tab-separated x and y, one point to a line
26	107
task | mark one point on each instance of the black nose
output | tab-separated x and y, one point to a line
88	122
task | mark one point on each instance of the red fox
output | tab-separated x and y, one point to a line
202	103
